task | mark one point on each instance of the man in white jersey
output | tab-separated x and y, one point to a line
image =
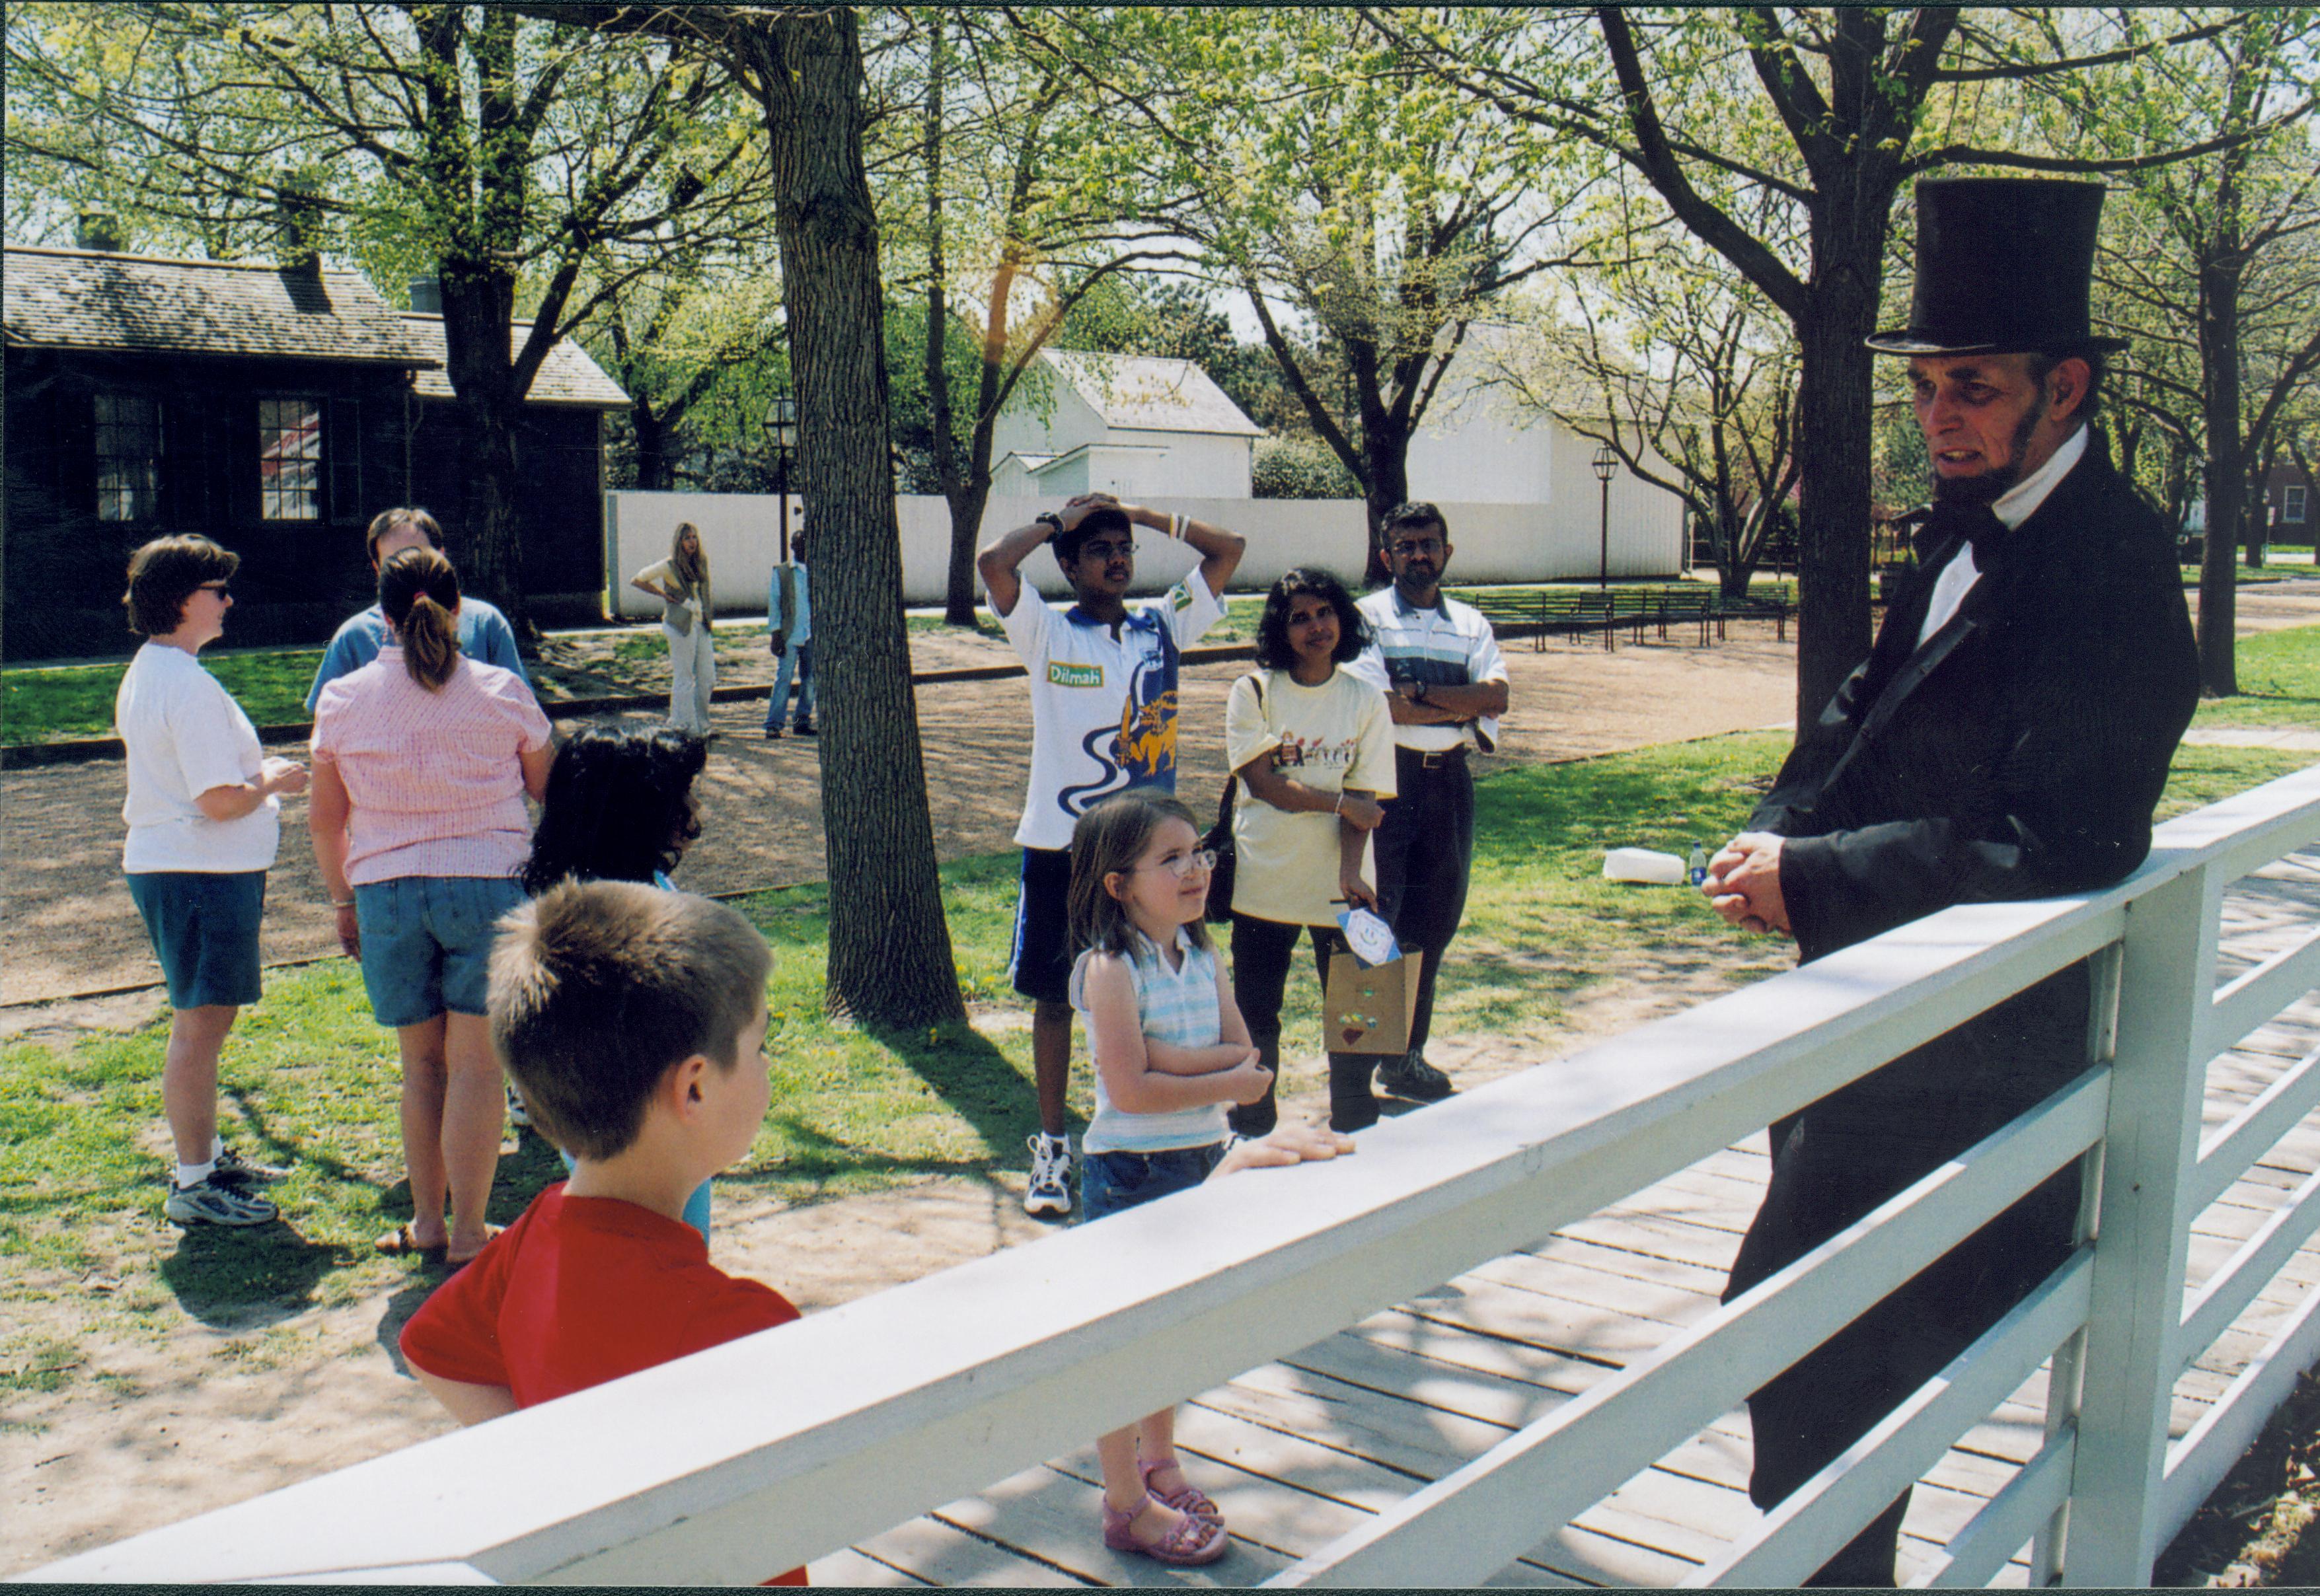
1104	720
1437	661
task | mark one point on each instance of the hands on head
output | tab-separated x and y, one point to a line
1081	506
1744	883
1291	1144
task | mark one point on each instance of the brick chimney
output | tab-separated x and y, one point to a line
298	214
101	229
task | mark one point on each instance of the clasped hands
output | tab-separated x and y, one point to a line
1744	883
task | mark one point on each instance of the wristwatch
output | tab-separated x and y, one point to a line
1053	522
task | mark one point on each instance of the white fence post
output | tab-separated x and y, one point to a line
2166	981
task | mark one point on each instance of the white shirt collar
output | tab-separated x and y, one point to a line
2019	503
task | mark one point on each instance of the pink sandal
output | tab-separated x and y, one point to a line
1189	1543
1187	1499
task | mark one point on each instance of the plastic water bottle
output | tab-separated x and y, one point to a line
1696	868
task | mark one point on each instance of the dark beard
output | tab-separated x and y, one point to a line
1991	485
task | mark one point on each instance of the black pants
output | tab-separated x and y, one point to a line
1262	951
1423	852
1842	1157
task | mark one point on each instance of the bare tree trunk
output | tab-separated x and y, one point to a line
1833	439
479	302
2219	353
655	474
889	951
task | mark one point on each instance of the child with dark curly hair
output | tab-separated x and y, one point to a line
619	807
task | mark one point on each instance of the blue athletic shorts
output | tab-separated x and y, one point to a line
204	929
427	942
1041	968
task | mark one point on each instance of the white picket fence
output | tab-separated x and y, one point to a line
789	1445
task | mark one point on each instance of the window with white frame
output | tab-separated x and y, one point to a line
128	457
290	459
2292	498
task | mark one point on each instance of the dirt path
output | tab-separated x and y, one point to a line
67	924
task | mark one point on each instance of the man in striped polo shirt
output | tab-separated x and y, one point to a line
1438	664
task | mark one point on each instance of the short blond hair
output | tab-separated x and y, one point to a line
599	988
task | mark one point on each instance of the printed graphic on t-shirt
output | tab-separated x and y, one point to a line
1297	753
1141	750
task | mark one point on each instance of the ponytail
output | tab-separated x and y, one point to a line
417	591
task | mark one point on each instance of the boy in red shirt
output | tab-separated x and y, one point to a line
633	1019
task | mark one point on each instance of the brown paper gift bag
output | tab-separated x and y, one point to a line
1368	1010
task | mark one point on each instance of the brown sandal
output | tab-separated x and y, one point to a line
399	1242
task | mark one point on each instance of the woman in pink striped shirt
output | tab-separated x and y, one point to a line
422	761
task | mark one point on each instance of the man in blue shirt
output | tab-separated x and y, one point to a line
484	632
789	629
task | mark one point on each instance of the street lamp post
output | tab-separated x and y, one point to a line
1607	463
780	424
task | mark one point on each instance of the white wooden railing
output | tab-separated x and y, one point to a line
791	1444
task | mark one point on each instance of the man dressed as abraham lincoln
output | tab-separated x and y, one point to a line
2007	737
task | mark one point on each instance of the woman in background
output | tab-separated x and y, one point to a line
681	583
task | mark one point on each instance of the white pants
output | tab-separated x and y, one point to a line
692	672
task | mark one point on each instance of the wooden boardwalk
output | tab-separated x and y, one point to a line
1299	1451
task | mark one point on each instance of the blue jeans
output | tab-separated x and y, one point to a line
1114	1182
797	658
427	942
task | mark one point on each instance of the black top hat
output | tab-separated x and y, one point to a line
2003	264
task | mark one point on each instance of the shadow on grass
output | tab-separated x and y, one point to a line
967	1071
244	1277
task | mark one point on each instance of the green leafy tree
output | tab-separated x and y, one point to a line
1834	111
1362	206
1654	348
2218	253
503	153
1008	210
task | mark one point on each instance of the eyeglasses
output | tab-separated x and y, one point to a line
1417	546
1198	859
1106	550
220	589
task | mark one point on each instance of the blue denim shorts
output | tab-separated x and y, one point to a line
204	929
1115	1182
427	942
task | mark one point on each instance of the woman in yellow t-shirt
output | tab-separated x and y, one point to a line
1312	747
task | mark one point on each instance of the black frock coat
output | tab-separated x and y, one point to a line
2018	754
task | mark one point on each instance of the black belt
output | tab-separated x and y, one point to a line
1435	759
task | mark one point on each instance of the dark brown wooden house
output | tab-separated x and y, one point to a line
274	409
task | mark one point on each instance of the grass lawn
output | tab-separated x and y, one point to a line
313	1081
2279	683
49	704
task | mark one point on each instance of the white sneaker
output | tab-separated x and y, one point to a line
1050	1192
517	1114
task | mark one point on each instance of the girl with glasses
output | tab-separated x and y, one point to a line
1171	1052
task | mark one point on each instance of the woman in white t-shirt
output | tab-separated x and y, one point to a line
204	819
1312	747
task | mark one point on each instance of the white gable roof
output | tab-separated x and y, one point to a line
1150	394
